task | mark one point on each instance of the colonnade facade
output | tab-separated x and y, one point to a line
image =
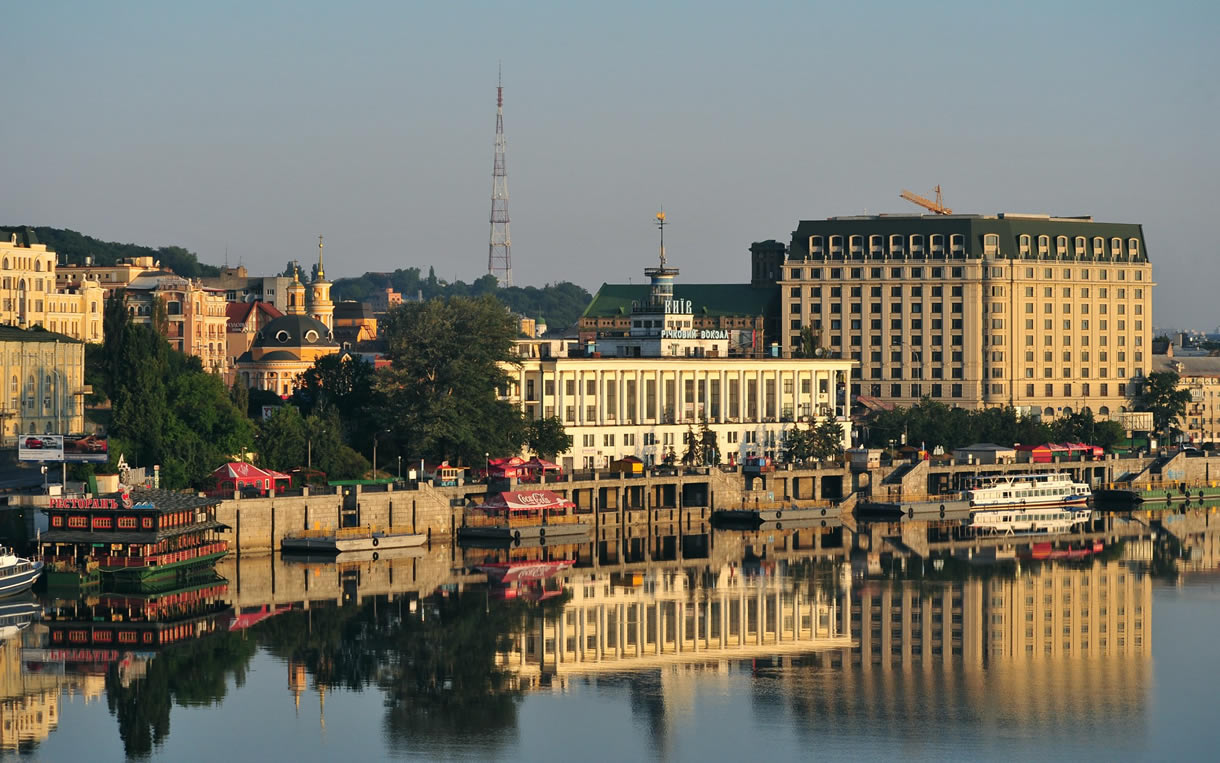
616	407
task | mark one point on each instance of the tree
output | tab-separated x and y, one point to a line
447	369
828	440
345	383
799	444
547	437
282	440
1164	399
809	343
691	456
709	444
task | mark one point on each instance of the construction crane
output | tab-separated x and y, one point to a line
935	207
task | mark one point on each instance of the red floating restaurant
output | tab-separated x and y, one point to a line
238	476
131	539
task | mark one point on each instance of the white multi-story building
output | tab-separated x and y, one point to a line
643	394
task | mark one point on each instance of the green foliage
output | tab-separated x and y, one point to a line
1161	396
192	673
73	247
346	384
441	389
809	343
166	409
823	442
560	304
547	437
282	441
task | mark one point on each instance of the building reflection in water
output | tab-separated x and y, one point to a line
841	645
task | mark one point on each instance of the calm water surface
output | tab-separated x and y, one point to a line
732	647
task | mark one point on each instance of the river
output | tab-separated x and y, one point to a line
727	647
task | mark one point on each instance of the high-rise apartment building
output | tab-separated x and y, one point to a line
1050	315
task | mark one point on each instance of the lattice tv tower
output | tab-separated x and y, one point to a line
499	251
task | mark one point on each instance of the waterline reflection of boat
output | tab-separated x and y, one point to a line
1048	519
16	616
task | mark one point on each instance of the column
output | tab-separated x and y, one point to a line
724	397
580	396
680	394
620	397
600	393
558	395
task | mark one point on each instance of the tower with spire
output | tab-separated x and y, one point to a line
296	292
321	308
499	251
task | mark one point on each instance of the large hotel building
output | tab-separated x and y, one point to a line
1049	315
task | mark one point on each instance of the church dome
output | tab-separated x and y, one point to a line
294	331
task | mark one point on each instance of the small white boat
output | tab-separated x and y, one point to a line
1027	490
349	539
17	573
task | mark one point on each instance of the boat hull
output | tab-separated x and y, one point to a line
557	533
10	585
340	545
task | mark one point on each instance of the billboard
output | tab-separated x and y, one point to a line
40	447
58	448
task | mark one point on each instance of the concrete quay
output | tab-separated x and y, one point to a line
620	505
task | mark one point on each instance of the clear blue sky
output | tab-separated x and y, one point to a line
257	126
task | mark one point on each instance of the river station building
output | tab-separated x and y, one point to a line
1050	315
639	391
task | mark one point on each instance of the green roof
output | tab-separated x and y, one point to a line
35	334
1009	227
712	299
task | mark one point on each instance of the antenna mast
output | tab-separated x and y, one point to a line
499	251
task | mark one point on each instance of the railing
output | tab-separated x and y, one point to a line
157	560
345	533
478	519
1141	487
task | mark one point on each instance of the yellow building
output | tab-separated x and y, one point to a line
1048	315
43	383
29	295
1199	375
196	316
110	277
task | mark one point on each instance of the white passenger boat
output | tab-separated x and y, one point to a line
17	573
1027	490
16	616
1047	519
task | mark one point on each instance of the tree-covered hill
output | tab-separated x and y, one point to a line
559	304
73	247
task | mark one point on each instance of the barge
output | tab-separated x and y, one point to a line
350	540
518	517
135	539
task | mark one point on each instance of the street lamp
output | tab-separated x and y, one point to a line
375	436
400	468
487	466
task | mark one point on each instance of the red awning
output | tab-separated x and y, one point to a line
528	500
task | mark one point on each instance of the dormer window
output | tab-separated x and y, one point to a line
281	336
311	336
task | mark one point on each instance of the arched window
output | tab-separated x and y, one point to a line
1044	245
1023	245
991	244
1061	246
1116	247
1080	246
876	246
1099	247
37	266
957	244
896	245
815	246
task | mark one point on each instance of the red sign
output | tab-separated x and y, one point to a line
84	503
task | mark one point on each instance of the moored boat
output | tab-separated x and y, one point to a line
17	573
1027	490
16	616
142	538
350	540
523	516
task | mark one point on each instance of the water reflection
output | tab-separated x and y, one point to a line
838	631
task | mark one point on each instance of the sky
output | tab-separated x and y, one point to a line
252	128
